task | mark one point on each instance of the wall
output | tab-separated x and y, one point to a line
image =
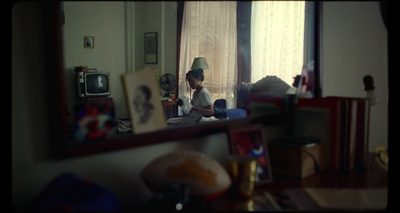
157	17
32	168
354	45
115	25
106	22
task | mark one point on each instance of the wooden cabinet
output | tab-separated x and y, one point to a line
170	108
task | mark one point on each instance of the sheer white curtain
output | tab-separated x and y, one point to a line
277	39
209	30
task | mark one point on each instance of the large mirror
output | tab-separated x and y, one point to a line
109	38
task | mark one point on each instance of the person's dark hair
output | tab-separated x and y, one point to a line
146	90
196	73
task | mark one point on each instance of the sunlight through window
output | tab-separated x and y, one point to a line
277	39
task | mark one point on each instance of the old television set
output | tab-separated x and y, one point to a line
93	84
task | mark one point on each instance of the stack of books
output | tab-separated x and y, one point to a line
84	69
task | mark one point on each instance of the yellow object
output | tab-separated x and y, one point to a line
382	157
193	170
243	174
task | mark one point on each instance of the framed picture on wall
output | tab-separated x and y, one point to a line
150	48
89	41
251	141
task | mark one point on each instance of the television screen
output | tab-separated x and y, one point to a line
97	83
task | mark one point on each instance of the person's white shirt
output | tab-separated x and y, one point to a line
202	100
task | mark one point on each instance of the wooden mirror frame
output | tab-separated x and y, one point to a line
56	99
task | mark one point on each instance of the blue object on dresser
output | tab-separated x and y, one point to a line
70	193
236	113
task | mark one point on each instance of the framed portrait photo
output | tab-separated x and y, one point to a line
251	141
89	41
150	48
143	101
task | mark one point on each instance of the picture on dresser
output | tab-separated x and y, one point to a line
143	101
251	141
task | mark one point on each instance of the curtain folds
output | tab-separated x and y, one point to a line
277	38
309	29
243	14
209	30
244	41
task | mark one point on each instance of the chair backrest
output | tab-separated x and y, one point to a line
220	108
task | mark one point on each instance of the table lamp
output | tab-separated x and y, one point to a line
200	62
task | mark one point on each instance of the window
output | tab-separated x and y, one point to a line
277	38
280	42
209	30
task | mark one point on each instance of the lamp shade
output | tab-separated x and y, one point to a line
200	62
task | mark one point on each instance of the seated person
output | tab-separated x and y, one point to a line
202	104
201	101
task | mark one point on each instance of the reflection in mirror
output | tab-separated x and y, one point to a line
244	57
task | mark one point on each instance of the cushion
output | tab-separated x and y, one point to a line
236	113
68	192
270	85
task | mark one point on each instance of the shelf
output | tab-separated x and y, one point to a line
125	141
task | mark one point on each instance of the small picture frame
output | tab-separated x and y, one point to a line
88	41
143	101
150	48
251	141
